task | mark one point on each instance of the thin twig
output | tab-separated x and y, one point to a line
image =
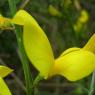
5	55
23	5
92	84
77	5
62	85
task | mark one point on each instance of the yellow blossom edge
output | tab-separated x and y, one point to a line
90	46
4	90
69	50
4	71
36	43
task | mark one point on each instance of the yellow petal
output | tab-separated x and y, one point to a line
36	43
4	71
4	90
69	50
3	19
90	46
84	16
81	21
75	65
5	23
22	18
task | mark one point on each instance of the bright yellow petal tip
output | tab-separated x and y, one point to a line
90	46
22	18
4	71
69	50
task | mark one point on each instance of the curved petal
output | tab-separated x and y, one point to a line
36	43
69	51
4	90
22	17
90	45
4	71
75	65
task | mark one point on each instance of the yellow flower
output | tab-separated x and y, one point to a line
81	21
84	16
53	11
74	63
4	71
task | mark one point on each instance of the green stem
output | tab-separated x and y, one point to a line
92	84
24	60
35	82
37	79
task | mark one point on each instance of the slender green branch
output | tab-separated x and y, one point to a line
24	60
35	83
92	84
37	79
23	5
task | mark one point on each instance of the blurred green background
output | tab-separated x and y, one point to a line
67	23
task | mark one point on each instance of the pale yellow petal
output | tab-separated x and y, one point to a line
4	71
4	90
69	50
